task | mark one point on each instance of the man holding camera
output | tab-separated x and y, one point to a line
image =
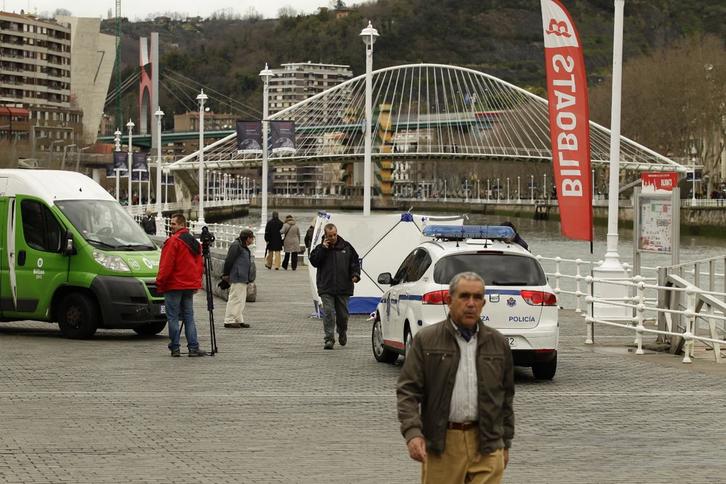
338	269
179	278
239	270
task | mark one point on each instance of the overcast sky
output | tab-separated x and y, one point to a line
139	9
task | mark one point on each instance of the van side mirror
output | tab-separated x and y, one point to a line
385	279
69	248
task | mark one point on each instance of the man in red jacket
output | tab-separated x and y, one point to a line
179	277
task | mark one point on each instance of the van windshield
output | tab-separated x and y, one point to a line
105	225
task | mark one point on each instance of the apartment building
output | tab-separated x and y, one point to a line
35	75
291	84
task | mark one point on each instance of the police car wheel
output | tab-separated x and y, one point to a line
545	370
407	340
77	316
380	352
150	329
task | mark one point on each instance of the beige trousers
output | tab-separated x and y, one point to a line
461	462
236	303
273	259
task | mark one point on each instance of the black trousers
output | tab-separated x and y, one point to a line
287	259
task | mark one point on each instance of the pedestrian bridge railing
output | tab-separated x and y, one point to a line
668	305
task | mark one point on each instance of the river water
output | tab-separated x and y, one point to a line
544	238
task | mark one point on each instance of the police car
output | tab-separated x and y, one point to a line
519	302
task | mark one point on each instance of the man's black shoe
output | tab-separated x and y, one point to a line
343	339
328	345
175	353
244	325
196	352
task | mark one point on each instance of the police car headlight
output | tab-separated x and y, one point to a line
111	262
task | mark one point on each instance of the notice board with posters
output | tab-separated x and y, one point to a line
656	217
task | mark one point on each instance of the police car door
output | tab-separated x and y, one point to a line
393	331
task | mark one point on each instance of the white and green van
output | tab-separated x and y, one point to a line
69	253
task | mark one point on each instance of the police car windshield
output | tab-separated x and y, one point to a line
105	224
497	269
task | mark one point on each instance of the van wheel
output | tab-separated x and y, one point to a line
150	329
78	316
380	352
545	370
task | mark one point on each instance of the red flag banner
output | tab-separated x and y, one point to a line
569	120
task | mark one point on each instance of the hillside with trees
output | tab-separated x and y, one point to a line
500	37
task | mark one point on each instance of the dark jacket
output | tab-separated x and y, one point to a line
149	224
180	265
427	379
336	266
273	237
239	264
309	237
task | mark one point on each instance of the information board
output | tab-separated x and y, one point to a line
656	225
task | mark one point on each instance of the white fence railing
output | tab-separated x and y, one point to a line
684	312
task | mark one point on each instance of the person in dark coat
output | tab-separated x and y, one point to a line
273	237
517	238
149	222
338	269
309	238
239	270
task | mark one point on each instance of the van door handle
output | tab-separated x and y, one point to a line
21	258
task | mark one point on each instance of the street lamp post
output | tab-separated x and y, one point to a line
369	35
508	190
200	212
159	218
611	267
130	125
531	189
488	189
478	197
117	147
544	186
444	189
265	74
519	196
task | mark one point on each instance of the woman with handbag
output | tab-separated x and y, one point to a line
291	242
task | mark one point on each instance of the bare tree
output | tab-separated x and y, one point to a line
674	101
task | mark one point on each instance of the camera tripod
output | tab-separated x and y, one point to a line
207	238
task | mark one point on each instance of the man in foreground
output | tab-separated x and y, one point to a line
179	277
460	373
338	269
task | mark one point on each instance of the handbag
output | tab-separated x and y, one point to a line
223	285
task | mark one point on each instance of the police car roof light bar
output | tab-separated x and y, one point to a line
461	232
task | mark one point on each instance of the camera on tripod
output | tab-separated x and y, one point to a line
207	237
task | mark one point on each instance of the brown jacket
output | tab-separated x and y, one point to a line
427	379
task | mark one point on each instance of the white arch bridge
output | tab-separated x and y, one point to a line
424	112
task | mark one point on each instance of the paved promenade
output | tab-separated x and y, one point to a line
273	406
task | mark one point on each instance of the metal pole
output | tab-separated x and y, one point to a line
544	187
693	183
166	189
531	189
118	176
368	35
265	74
488	189
519	196
130	125
159	219
612	258
200	214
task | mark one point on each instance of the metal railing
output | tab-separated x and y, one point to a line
682	309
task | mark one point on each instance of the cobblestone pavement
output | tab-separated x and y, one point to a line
273	406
